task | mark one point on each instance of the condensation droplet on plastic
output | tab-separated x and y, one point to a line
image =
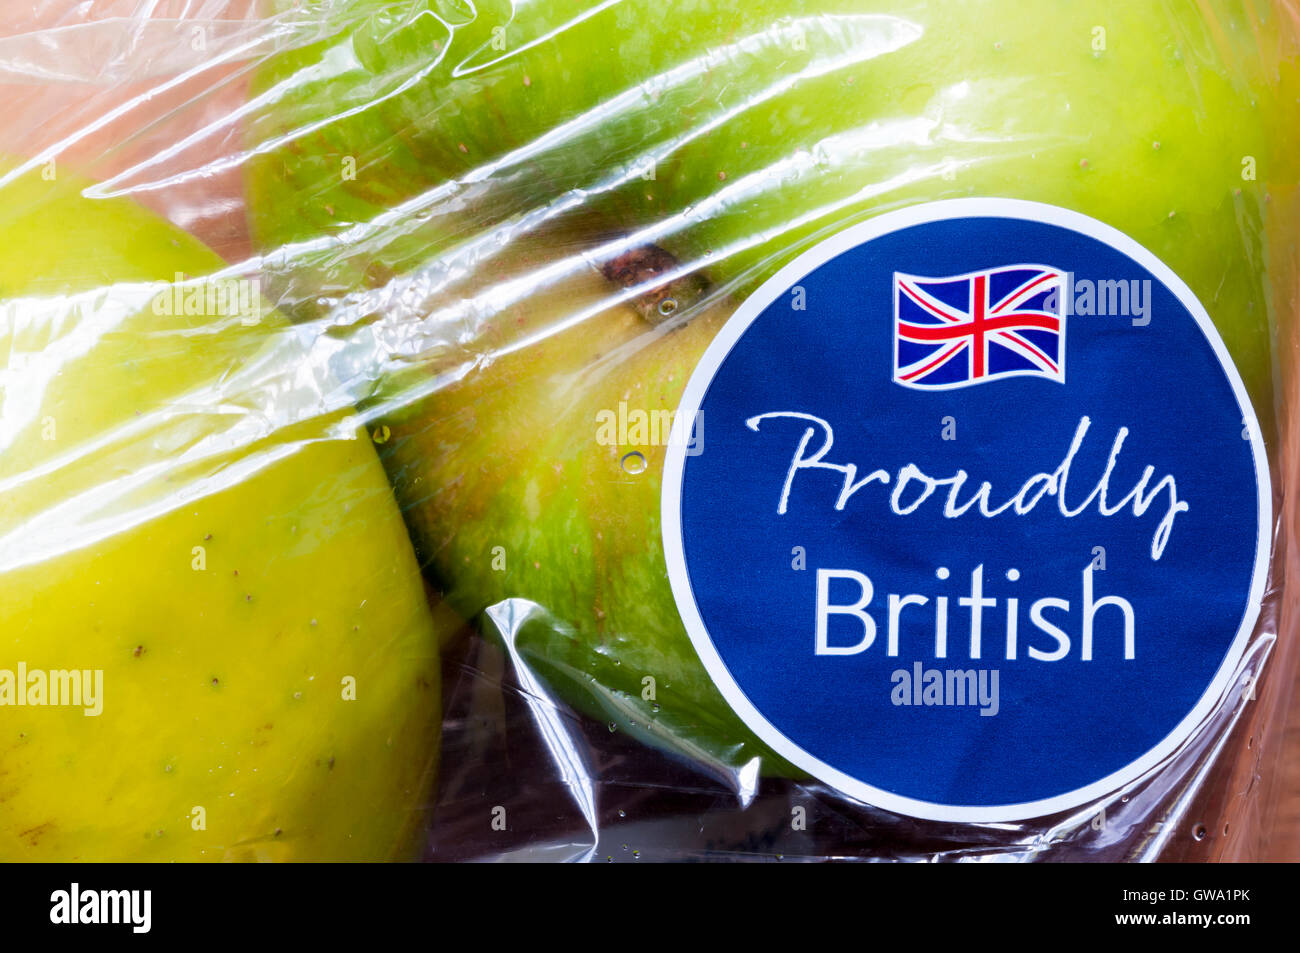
612	727
667	306
1199	832
633	462
622	813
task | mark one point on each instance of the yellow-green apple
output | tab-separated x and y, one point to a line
214	641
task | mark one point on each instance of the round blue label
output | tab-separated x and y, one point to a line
973	524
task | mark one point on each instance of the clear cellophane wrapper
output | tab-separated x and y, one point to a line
400	296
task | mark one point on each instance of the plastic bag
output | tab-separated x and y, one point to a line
847	429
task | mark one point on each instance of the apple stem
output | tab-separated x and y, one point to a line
639	267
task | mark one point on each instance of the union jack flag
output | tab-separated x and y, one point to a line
977	327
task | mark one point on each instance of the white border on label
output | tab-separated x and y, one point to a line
674	468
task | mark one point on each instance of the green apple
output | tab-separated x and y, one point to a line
186	526
728	138
745	132
526	500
